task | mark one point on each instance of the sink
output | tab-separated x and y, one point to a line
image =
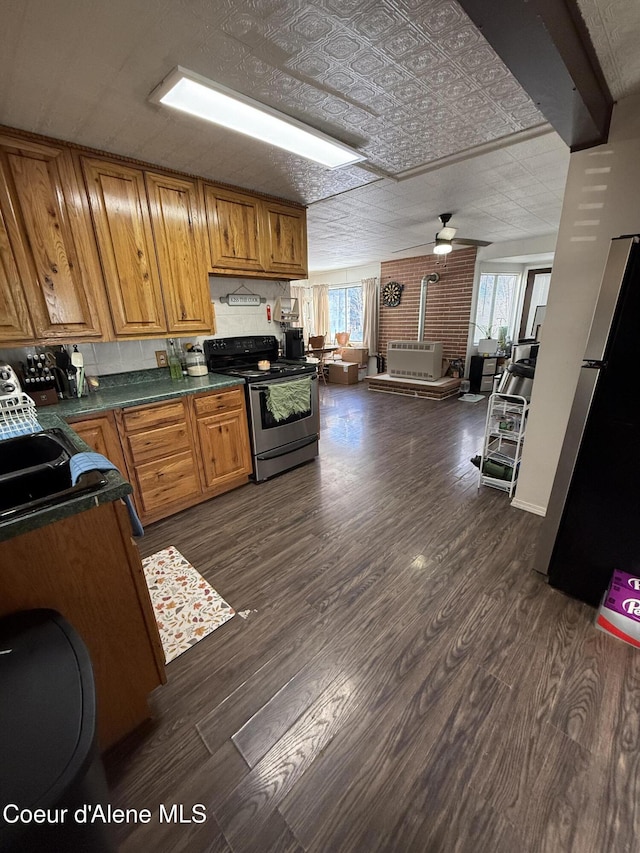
35	473
48	448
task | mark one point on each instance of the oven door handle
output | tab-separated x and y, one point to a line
255	387
287	448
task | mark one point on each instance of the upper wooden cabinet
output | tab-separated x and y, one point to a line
15	323
233	223
125	239
286	244
152	251
96	249
255	237
46	241
178	230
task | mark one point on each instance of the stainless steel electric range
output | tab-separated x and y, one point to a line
284	427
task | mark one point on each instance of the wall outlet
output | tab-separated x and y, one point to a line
162	359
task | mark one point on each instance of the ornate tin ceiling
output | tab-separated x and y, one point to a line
406	81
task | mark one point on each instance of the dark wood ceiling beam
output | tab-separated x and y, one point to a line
546	46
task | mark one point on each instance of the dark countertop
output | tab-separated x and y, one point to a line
120	391
139	391
117	487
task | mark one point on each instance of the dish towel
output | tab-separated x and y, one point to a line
80	463
13	429
289	398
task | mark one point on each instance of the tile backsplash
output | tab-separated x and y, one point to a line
231	320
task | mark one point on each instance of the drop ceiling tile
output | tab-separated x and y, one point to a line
442	19
464	39
366	64
313	26
376	22
400	42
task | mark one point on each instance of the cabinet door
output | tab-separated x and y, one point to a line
125	240
40	183
223	437
164	484
234	230
101	434
286	240
15	324
178	230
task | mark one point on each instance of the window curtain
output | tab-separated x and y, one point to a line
321	310
305	306
370	313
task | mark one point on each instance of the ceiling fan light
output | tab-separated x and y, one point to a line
442	247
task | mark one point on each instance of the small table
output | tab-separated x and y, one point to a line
319	355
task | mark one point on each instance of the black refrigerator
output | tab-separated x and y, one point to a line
592	525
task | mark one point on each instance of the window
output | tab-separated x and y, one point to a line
345	312
497	299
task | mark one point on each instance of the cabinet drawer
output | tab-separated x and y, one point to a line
490	366
154	416
486	383
213	404
155	443
168	481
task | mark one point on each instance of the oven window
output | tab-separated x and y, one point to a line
267	419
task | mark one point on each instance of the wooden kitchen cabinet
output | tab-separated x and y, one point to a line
152	250
253	236
161	458
234	224
100	432
118	199
223	436
88	569
15	322
285	251
47	242
178	229
184	451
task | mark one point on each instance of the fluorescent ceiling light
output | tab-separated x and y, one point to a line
200	97
442	247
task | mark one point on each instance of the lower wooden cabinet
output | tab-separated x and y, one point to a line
100	432
223	435
184	451
175	453
161	458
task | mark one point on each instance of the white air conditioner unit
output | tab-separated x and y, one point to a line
415	360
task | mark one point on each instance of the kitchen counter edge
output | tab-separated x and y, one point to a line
121	396
141	393
117	487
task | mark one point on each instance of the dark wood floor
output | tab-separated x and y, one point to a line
404	681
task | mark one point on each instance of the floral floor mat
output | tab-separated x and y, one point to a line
186	607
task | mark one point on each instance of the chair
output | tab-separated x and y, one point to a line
316	348
342	339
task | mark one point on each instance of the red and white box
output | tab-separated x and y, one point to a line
619	613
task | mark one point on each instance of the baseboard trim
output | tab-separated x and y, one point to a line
528	507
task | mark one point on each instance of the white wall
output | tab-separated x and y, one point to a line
602	201
348	275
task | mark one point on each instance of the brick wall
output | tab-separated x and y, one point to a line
448	301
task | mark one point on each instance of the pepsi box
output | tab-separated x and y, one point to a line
619	613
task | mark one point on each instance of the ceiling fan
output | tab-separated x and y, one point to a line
445	238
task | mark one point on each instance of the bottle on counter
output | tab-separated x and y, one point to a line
175	368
